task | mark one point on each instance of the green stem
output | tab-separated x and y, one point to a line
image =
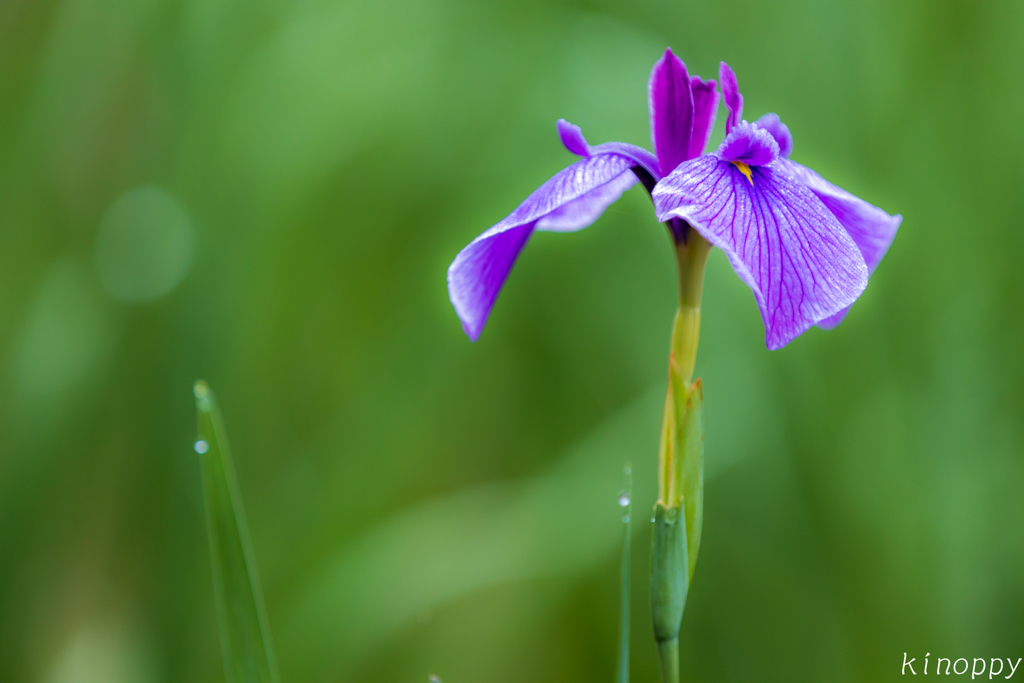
679	510
668	653
691	257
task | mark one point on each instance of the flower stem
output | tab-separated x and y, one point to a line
678	514
691	257
668	653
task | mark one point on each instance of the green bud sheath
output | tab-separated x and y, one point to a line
677	529
669	584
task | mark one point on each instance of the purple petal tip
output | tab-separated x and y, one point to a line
572	138
731	95
670	103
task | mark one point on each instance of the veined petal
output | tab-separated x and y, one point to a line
478	272
671	109
781	240
638	155
731	94
581	212
871	228
705	109
778	130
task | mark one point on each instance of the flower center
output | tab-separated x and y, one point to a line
744	169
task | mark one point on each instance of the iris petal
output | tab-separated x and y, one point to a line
731	95
671	110
748	144
781	240
573	140
638	155
705	109
871	228
778	130
572	137
570	200
581	212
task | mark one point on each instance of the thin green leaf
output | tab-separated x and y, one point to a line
244	632
626	501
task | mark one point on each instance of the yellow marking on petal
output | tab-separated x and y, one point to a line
744	169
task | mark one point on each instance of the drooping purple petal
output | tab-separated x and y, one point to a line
778	130
638	155
478	272
731	94
750	145
581	212
705	109
671	110
871	228
781	240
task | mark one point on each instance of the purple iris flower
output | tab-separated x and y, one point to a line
804	246
682	111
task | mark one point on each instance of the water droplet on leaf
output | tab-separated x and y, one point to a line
201	446
624	499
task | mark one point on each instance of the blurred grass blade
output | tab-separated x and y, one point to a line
626	502
244	632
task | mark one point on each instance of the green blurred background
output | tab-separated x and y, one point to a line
267	194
